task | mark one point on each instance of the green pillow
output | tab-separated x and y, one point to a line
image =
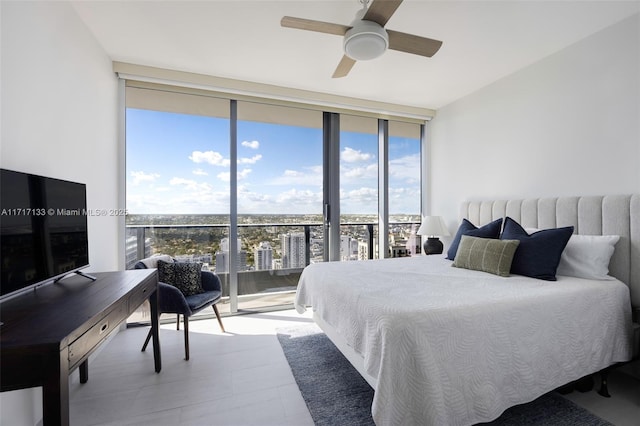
486	254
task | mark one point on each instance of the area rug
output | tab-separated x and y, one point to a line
336	394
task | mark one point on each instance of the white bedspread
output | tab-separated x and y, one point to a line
450	346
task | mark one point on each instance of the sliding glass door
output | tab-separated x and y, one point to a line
358	188
279	187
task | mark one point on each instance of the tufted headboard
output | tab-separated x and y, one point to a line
589	215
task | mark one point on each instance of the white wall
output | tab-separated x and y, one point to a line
566	125
59	119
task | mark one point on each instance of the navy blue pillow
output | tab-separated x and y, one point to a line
538	254
490	230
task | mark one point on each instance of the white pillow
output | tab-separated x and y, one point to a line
152	262
588	256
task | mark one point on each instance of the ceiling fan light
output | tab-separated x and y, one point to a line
366	40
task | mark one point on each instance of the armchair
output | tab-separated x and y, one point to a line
172	301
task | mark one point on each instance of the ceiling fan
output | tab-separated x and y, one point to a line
366	38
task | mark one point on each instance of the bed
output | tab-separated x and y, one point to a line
453	346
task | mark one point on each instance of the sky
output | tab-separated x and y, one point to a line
179	164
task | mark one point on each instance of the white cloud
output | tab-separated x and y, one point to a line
200	172
310	176
251	144
191	185
406	168
299	197
410	192
226	176
351	155
210	157
361	200
317	170
217	159
182	196
251	160
363	194
183	181
249	197
139	177
367	172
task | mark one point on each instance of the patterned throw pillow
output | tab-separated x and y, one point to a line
486	254
166	272
184	276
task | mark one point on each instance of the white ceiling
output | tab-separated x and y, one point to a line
483	41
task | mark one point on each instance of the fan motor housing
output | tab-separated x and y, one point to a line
365	40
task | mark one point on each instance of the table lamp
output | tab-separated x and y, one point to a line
433	227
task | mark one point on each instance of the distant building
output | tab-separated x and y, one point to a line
224	244
222	257
131	250
293	250
205	258
363	250
348	248
222	262
263	256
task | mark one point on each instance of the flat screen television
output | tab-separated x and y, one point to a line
43	230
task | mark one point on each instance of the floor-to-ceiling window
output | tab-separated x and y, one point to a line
358	187
405	198
279	189
177	186
241	186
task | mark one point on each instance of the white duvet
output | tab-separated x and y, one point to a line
450	346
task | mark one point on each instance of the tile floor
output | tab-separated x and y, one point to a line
238	378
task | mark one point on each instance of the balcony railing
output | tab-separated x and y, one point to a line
259	286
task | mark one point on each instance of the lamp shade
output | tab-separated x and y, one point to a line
433	226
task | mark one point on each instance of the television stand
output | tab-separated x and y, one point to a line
49	333
82	274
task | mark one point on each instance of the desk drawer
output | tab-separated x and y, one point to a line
141	294
85	343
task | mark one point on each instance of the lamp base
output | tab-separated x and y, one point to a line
433	245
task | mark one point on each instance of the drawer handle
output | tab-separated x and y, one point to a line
104	327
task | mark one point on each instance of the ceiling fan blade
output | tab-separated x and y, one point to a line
410	43
381	11
311	25
345	65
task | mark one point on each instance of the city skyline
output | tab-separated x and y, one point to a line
179	164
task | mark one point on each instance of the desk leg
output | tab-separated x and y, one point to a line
55	392
155	324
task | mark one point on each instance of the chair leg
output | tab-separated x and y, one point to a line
186	338
178	321
215	309
146	341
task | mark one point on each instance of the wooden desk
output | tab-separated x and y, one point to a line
49	332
